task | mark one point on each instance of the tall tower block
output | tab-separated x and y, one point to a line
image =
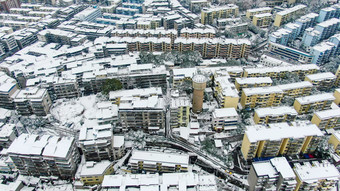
199	83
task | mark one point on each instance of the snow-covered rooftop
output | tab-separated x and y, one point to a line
275	111
254	80
225	112
296	85
321	76
315	98
91	168
327	114
262	90
153	157
318	171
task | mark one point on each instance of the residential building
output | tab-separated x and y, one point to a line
322	81
316	102
297	89
225	119
158	182
316	176
116	97
290	53
274	3
92	173
237	28
335	39
197	33
322	52
7	135
181	74
154	161
145	114
32	100
334	140
6	5
275	173
281	36
180	112
8	43
56	36
209	14
89	14
118	147
8	87
280	139
225	92
252	82
327	28
294	30
306	21
25	37
262	20
5	115
310	38
328	13
274	115
337	96
327	119
269	61
251	12
261	97
288	14
45	155
96	142
337	73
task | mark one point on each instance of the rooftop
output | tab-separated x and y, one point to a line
153	157
318	171
315	98
275	111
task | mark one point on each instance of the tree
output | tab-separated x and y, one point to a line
111	85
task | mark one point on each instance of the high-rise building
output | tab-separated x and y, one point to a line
199	83
286	15
274	115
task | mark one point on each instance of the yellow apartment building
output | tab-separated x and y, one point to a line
337	96
297	89
180	112
337	82
334	140
116	97
316	176
251	12
209	14
327	119
241	83
273	3
280	139
225	92
261	96
92	173
323	81
262	20
316	102
288	14
181	74
281	71
274	115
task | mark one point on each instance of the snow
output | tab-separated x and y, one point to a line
318	171
327	114
92	168
315	98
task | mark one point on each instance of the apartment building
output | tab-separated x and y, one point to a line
288	14
273	3
274	115
32	100
274	174
89	14
290	53
261	97
262	20
322	52
118	147
297	89
280	139
323	81
8	43
180	112
153	161
329	12
225	92
334	141
197	33
145	114
116	97
316	102
251	12
327	119
281	36
225	119
45	155
8	87
310	38
335	39
269	61
56	36
96	142
25	37
306	21
252	82
8	133
316	176
337	96
92	173
327	28
209	14
168	181
159	33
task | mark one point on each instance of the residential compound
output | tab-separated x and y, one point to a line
280	139
209	14
274	115
315	102
285	15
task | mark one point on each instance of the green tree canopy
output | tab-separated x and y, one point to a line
111	85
